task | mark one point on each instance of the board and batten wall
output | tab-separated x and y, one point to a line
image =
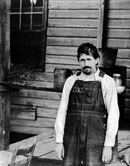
70	23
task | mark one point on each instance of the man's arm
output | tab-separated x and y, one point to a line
112	120
111	100
61	117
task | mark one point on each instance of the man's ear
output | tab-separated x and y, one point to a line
97	60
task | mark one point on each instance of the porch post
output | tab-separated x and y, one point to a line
4	69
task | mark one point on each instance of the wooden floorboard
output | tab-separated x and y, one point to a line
45	148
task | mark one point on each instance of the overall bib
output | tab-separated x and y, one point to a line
85	126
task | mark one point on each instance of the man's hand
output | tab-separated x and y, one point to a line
106	154
59	150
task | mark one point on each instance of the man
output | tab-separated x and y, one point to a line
87	120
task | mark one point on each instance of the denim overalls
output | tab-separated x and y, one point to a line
85	126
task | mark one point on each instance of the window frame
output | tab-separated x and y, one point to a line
44	13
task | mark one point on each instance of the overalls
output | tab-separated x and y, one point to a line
85	126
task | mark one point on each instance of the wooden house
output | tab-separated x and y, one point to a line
47	35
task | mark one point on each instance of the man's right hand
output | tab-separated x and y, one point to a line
59	150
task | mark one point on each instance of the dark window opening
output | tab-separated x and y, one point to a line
26	48
26	32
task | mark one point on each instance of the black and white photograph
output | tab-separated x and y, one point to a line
64	82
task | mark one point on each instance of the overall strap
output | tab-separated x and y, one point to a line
101	73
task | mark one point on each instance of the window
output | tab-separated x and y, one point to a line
28	32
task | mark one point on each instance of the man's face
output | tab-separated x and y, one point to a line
88	64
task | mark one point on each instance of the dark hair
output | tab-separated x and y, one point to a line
88	49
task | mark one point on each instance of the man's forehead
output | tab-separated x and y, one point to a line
84	56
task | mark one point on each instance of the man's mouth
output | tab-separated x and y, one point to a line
86	68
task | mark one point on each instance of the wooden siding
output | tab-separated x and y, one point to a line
70	23
34	111
67	29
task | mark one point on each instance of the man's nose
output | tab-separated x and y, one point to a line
85	63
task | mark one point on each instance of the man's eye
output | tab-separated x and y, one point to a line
89	59
82	60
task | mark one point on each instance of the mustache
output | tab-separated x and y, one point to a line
86	67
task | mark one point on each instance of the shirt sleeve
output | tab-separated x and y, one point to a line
61	115
111	101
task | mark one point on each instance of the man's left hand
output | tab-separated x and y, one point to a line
107	154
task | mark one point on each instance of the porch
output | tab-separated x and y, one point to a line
44	154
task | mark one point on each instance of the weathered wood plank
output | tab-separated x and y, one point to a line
39	122
23	115
39	150
23	112
72	32
43	141
124	62
31	130
67	41
61	50
123	53
63	60
45	112
113	23
50	156
73	23
23	108
119	14
71	5
119	4
73	14
120	33
35	102
37	94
